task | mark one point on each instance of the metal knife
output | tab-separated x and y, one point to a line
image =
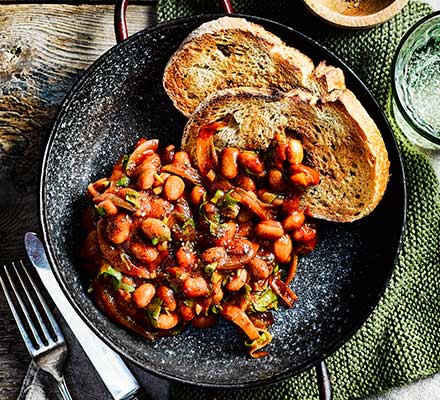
111	368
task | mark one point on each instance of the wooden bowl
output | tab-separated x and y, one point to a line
355	13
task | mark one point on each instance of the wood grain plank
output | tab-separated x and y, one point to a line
44	48
13	355
43	51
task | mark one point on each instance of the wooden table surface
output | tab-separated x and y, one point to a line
43	50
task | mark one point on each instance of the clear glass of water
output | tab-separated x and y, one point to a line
416	83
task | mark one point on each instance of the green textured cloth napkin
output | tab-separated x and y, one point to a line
400	342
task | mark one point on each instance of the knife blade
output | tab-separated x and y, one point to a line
111	368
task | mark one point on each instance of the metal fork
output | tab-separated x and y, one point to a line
48	349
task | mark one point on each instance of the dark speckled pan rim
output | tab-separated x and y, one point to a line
356	84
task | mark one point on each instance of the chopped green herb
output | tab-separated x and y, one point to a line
264	301
216	277
263	338
210	268
180	216
228	200
189	222
216	308
218	195
154	309
159	178
188	302
216	229
216	218
107	269
214	226
100	210
116	276
160	239
228	205
201	211
231	212
125	159
251	152
247	292
123	181
133	197
268	197
247	288
127	288
126	260
276	268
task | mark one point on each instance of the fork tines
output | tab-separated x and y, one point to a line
27	304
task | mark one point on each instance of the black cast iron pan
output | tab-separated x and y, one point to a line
121	98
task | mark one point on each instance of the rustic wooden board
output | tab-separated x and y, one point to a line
43	50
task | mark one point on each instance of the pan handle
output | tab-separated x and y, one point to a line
324	384
121	30
227	6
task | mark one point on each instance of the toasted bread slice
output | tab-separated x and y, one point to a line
341	142
232	52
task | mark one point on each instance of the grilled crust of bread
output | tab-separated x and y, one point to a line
232	52
341	142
